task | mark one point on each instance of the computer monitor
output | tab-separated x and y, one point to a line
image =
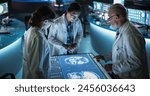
4	8
148	18
119	1
137	16
97	5
105	7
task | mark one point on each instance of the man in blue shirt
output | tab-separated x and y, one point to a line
66	32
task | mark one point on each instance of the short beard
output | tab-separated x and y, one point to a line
113	27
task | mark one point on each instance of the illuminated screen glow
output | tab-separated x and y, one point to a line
83	75
76	66
148	18
3	8
79	66
137	16
76	60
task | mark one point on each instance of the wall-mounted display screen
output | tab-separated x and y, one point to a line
105	7
4	8
100	6
97	5
137	16
137	4
119	1
148	18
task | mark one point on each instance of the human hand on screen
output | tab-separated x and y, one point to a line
99	57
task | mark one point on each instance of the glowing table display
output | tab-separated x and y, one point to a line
79	66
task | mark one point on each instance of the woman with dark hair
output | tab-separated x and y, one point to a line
36	48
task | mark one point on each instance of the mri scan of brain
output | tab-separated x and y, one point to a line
83	75
74	60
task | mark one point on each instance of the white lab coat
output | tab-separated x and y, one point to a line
36	54
58	35
129	53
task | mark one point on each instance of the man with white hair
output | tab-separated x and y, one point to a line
128	51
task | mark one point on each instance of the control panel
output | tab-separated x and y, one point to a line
137	16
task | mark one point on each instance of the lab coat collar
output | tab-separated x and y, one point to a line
124	27
64	25
121	30
65	18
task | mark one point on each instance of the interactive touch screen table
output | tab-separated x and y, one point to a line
78	66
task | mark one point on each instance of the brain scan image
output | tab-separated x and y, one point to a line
74	60
83	75
77	66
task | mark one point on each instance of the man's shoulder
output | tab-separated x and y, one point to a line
58	20
78	21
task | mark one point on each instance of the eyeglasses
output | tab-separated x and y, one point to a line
75	15
109	19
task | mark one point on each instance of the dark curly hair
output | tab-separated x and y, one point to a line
41	14
74	7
